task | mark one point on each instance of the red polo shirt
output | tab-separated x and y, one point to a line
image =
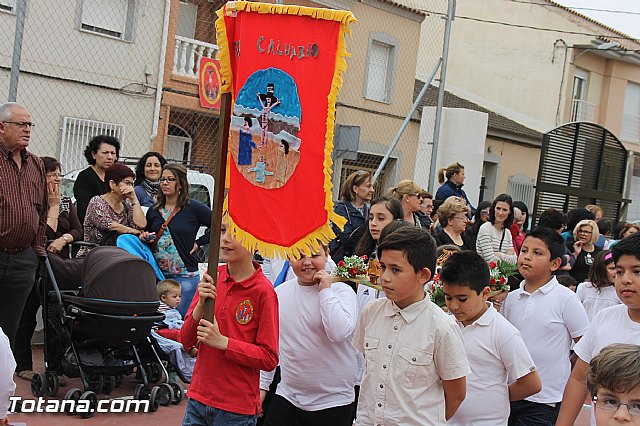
247	313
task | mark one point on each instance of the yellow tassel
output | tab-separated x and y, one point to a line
309	244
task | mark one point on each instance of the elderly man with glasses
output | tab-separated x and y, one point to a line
23	212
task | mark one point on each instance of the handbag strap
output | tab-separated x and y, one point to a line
501	240
164	226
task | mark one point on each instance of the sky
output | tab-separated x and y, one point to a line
625	22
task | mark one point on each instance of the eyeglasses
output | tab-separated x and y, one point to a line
167	179
426	207
128	182
462	218
609	403
485	212
53	175
21	124
584	232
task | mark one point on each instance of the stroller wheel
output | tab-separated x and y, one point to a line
154	399
178	392
38	385
166	394
109	384
53	383
72	394
154	372
93	404
140	392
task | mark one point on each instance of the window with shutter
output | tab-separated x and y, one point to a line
108	17
8	5
378	77
76	134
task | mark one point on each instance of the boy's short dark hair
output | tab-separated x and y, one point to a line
552	218
467	269
627	246
567	280
604	226
616	368
417	245
551	239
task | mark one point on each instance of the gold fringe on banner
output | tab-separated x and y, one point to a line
310	243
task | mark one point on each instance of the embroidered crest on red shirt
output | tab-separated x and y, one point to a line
244	312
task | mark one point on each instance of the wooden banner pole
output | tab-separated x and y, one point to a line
220	166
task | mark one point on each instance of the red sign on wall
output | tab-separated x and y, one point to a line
210	83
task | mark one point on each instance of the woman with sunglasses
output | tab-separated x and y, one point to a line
409	193
172	226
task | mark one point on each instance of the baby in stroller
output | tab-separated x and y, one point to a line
167	333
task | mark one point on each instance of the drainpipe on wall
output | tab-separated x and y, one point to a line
163	57
21	11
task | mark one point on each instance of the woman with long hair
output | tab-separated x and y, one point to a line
451	180
409	193
383	211
148	171
599	291
494	239
355	194
452	215
174	222
481	216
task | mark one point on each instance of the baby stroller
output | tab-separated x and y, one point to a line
105	327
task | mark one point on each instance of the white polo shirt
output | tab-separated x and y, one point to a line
594	300
408	352
495	350
549	318
611	325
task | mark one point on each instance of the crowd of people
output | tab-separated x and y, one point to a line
294	346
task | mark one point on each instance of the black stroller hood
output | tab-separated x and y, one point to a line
112	273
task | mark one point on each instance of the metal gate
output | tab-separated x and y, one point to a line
581	163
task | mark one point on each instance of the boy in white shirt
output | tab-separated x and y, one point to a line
614	382
494	347
317	361
615	324
549	316
415	365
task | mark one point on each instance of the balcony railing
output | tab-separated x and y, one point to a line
630	129
188	54
583	111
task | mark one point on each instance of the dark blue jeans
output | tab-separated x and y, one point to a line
198	414
527	413
17	276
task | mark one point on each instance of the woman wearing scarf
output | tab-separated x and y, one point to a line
148	173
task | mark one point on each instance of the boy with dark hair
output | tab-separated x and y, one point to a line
615	324
494	347
415	365
241	340
549	316
613	380
317	361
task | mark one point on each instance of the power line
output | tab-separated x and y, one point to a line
507	24
625	12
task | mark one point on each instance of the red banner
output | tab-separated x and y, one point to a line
210	83
283	66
